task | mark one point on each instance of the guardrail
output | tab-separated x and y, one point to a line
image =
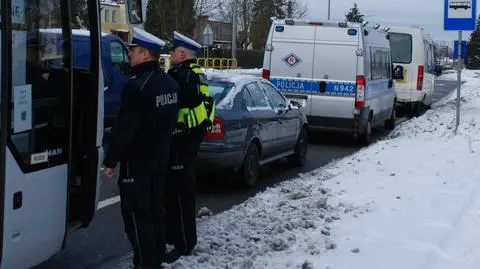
218	63
214	63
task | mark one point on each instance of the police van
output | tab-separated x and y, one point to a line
413	50
339	72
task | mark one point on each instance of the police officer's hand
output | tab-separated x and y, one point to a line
108	172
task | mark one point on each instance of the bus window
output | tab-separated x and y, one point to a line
39	87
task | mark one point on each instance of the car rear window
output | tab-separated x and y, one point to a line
401	48
219	89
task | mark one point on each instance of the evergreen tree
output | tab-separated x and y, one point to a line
263	11
354	15
473	48
164	17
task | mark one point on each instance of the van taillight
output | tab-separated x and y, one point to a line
266	74
420	78
360	96
217	131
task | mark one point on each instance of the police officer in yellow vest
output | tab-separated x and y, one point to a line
196	112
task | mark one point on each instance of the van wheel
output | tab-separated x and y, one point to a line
251	167
416	109
390	123
299	158
366	137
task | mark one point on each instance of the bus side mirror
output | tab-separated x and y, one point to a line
136	11
398	73
438	70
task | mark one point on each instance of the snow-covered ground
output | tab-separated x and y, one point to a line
410	201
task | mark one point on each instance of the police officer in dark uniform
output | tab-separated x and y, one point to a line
141	142
196	112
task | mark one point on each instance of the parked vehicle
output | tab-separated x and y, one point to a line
254	125
115	64
413	51
341	73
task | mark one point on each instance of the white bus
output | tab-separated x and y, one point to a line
51	128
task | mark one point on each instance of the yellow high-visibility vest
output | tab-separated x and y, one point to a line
192	117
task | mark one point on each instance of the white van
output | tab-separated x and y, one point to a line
414	51
341	73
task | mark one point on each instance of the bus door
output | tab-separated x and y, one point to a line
50	144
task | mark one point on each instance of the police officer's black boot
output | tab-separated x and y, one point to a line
174	255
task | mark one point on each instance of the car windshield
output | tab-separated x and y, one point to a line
219	89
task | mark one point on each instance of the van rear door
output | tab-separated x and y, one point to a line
291	61
336	64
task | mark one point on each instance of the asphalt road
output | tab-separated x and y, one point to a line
104	240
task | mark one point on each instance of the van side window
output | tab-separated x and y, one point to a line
380	64
429	68
119	55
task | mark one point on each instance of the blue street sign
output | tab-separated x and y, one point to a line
464	50
460	15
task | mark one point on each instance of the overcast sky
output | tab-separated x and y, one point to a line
426	13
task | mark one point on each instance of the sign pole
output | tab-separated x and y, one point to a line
459	77
459	16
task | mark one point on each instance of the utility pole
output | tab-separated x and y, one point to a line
234	31
328	9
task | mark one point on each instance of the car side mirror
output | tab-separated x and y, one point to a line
295	103
438	70
398	72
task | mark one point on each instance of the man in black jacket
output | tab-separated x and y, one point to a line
196	109
141	142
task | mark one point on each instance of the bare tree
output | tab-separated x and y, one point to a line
205	7
296	9
244	19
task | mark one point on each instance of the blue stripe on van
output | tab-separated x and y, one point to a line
337	88
296	85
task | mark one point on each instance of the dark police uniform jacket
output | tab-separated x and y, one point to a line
147	117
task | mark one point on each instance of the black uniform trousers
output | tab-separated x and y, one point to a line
180	190
142	203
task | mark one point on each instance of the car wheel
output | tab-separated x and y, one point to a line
390	123
299	158
250	167
366	137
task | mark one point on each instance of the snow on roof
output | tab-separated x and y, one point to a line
236	78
